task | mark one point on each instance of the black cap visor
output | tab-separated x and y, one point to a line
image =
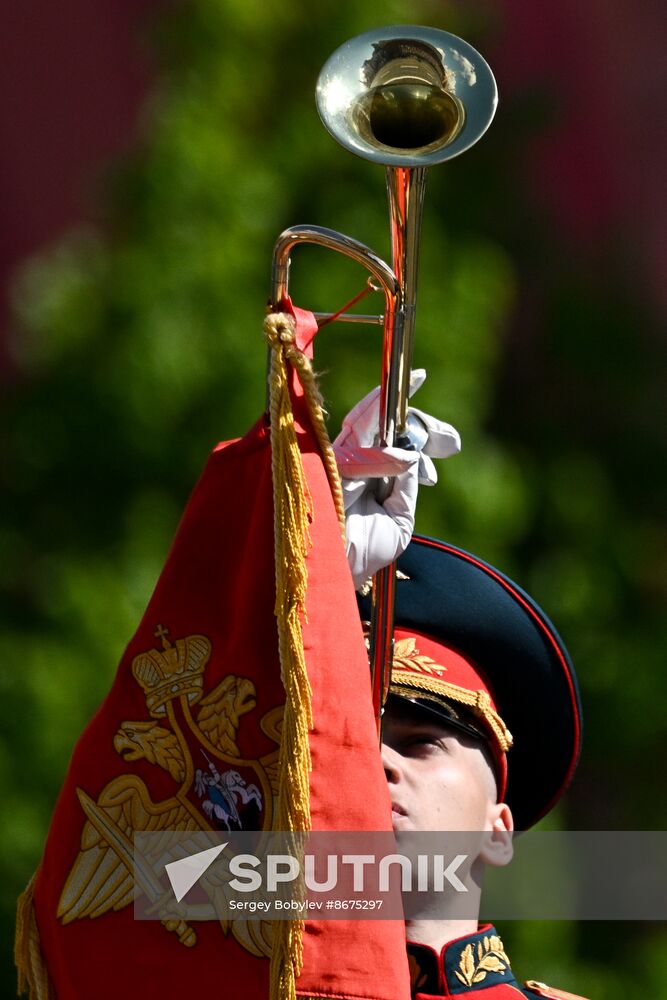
437	708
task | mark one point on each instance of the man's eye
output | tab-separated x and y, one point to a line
424	743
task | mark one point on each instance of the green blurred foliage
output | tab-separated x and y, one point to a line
140	346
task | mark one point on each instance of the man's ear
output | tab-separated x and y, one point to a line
497	846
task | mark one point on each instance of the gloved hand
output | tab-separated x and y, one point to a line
377	533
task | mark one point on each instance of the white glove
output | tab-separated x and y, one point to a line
377	533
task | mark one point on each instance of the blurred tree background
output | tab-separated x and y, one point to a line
138	345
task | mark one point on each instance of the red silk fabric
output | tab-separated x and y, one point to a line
218	582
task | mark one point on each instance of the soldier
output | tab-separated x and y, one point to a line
481	730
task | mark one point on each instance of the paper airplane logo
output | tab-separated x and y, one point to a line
184	873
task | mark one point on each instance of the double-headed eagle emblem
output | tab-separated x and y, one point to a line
213	788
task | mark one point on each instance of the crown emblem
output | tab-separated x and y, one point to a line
175	671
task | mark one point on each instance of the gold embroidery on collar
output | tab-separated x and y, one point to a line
490	958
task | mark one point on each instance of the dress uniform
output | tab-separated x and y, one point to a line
474	650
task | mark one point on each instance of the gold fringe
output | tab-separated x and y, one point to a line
33	977
292	515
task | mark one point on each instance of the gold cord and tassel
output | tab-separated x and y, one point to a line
292	515
33	976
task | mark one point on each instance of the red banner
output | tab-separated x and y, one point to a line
199	684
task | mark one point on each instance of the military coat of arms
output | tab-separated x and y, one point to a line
191	736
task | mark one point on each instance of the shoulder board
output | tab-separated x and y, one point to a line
543	990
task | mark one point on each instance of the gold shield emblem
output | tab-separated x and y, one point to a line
191	736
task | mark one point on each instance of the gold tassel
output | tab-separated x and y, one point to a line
33	976
292	514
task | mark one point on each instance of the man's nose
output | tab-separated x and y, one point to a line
391	761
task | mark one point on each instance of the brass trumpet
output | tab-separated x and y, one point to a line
406	97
